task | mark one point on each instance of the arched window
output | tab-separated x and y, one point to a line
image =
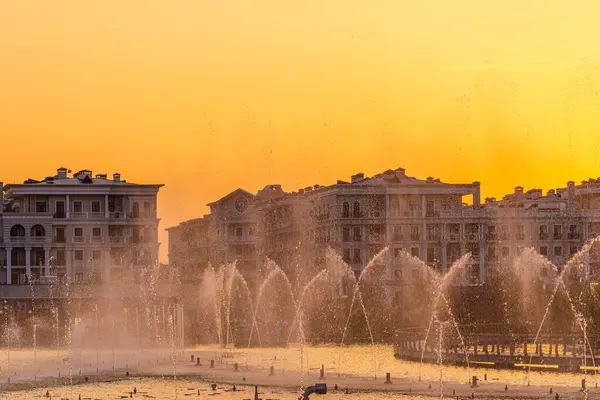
147	209
356	210
38	231
346	210
136	210
17	230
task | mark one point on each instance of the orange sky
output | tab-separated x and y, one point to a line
206	96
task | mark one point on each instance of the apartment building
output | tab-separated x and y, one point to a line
434	221
85	228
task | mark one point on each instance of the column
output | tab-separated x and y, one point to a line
106	214
28	262
388	236
444	257
68	207
68	259
47	261
106	272
423	205
8	265
481	262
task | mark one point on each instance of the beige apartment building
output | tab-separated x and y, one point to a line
85	228
434	221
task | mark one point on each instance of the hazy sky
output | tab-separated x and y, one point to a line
209	95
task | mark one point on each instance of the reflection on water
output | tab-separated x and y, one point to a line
350	367
179	389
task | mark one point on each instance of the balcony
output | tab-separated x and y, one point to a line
415	237
453	237
97	239
78	239
96	215
60	215
543	236
491	236
117	215
472	236
557	236
38	239
397	238
240	239
117	239
573	236
432	214
60	239
433	237
18	239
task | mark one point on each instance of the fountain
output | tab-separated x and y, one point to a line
332	319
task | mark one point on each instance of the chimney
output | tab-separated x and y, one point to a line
570	192
117	177
100	176
477	194
430	179
358	177
62	173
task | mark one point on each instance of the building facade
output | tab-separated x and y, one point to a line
84	228
433	221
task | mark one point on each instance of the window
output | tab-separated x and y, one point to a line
412	207
505	252
78	255
79	277
543	232
429	209
356	210
346	210
77	207
398	251
414	251
251	231
398	273
238	232
346	233
397	233
60	208
520	232
357	236
60	235
96	231
135	210
557	232
558	250
414	232
78	232
347	256
573	232
573	250
544	272
544	250
60	257
430	255
95	206
356	258
96	255
41	206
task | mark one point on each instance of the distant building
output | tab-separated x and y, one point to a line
85	228
435	221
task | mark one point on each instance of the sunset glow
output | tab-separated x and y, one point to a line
208	96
